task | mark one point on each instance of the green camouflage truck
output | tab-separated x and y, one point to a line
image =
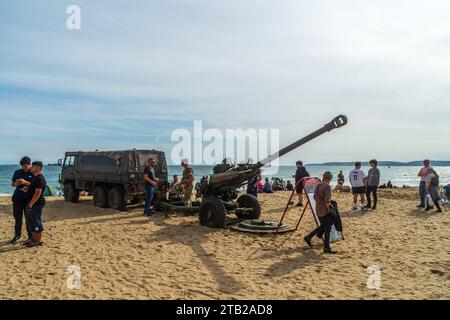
115	179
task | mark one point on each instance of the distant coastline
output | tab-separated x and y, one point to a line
438	163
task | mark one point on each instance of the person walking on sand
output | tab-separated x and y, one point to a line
357	180
21	180
322	196
36	204
373	181
151	182
432	188
300	173
423	172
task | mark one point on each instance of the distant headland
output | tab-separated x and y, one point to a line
437	163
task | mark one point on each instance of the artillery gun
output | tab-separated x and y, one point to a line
220	192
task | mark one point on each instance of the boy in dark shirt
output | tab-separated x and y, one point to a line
36	203
300	173
21	180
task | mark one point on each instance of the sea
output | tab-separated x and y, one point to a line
399	176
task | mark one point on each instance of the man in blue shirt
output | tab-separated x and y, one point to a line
21	181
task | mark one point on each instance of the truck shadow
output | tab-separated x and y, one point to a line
176	233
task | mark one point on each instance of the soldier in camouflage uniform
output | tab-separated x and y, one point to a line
187	181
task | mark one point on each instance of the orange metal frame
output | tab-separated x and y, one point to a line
303	181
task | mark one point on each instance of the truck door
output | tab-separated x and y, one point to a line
68	168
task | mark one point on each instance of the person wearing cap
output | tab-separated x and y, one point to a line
322	196
187	181
21	180
36	203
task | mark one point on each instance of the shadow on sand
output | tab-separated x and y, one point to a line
168	232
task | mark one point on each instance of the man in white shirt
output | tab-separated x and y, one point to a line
357	179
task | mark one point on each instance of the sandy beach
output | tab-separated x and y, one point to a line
123	255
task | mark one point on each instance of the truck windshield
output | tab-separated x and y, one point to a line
69	161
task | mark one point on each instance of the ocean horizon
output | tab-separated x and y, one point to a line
398	175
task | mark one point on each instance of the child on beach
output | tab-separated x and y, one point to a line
300	173
357	177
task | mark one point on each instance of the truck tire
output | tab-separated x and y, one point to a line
212	213
116	199
100	197
249	201
71	194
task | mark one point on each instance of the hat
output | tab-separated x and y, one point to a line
328	175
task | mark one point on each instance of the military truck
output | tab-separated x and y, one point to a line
115	179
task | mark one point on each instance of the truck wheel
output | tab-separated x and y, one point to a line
212	213
116	199
249	201
101	197
71	194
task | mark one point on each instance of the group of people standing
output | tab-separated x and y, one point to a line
429	187
186	184
28	201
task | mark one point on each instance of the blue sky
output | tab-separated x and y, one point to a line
137	70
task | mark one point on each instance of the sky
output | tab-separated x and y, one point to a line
138	70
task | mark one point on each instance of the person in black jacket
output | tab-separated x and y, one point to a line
21	180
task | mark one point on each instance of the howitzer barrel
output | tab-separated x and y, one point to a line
337	122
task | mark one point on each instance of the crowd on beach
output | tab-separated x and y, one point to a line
29	199
364	187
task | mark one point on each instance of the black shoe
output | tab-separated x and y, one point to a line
374	208
439	210
299	204
15	239
421	206
428	208
329	250
308	241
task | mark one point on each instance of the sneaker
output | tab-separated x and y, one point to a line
439	210
308	241
15	239
329	250
428	208
364	208
299	204
421	206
